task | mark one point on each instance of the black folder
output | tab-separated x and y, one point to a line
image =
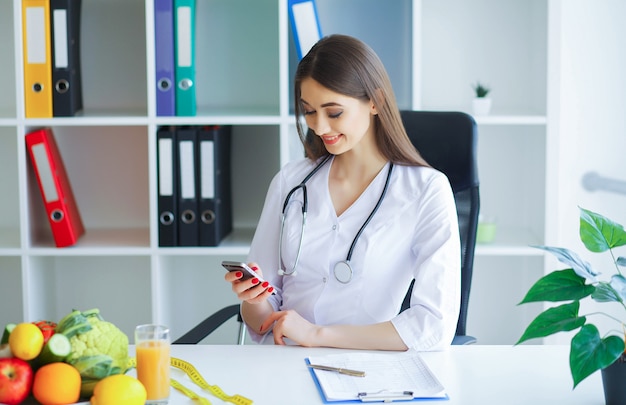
67	94
187	142
167	180
214	189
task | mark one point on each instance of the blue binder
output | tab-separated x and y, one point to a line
305	25
164	57
184	46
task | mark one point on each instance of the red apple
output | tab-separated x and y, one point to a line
16	380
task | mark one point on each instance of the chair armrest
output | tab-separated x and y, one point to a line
463	340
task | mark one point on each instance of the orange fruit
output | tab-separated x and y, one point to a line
26	341
56	384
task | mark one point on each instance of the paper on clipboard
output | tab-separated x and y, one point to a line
387	376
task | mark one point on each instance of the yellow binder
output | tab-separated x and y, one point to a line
37	63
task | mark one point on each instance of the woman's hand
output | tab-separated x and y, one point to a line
289	324
250	290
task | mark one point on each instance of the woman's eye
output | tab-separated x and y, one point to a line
309	112
335	115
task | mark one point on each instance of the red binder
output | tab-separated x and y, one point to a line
56	191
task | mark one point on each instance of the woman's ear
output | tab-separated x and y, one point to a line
379	97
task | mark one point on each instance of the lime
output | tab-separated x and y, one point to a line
26	341
119	389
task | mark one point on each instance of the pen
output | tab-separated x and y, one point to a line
346	371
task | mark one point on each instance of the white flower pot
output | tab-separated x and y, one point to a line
481	105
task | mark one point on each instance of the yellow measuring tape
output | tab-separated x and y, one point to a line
197	378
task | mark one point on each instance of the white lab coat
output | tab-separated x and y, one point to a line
414	234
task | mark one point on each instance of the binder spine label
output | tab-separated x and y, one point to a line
35	35
166	181
42	165
60	38
207	170
184	35
187	186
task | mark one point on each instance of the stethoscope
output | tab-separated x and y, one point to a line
342	270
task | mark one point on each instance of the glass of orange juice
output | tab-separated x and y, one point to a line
152	349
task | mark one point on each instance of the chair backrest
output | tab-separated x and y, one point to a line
448	142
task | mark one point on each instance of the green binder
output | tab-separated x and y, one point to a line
184	43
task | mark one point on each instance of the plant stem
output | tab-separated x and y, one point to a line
607	315
615	262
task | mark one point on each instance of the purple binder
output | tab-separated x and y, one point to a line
164	57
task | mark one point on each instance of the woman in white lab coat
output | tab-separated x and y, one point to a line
377	216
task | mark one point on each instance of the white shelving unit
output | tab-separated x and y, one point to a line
434	51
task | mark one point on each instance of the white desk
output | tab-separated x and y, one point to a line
472	375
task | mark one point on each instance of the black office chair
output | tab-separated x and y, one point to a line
448	142
210	324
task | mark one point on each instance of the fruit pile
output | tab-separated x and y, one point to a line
60	363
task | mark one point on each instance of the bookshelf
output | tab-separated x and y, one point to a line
433	50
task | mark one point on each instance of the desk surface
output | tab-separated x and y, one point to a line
472	375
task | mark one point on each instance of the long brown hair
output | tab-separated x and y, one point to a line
350	67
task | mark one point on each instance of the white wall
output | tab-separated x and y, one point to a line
589	96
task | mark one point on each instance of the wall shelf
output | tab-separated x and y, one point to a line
110	149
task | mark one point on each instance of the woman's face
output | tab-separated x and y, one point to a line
340	121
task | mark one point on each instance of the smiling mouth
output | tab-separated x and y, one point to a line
329	140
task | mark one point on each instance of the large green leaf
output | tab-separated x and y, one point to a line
590	353
614	291
560	285
618	284
605	293
558	319
571	258
599	233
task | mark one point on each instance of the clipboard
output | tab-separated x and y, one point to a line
373	396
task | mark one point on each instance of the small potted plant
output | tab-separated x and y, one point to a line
481	104
589	351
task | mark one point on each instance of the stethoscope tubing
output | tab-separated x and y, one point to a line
305	207
302	186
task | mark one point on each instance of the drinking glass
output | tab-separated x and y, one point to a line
152	345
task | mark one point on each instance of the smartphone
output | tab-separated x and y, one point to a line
248	273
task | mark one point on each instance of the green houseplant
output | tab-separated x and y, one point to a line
481	104
481	90
589	351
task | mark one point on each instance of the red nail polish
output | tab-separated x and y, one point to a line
255	281
265	284
270	289
239	274
254	268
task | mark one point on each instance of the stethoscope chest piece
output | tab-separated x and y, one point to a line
343	272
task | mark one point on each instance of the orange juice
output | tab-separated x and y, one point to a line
153	368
